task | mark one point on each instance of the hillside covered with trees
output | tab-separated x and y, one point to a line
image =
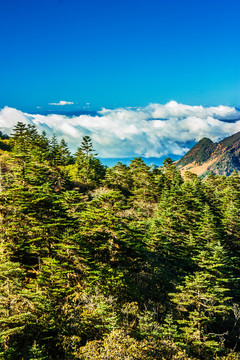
126	262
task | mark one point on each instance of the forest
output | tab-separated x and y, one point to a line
123	262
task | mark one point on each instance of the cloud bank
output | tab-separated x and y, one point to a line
62	102
152	131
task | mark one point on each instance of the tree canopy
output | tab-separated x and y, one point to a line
126	262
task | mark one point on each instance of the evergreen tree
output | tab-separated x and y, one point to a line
119	177
17	308
66	157
203	302
130	261
87	172
86	147
143	187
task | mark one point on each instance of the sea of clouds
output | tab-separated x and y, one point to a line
152	131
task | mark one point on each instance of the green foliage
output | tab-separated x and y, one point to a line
87	172
36	352
128	262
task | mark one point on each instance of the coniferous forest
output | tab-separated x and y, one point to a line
126	262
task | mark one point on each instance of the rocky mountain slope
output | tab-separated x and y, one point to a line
221	158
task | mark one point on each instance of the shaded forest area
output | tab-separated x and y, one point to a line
126	262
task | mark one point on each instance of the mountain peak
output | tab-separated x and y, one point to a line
206	156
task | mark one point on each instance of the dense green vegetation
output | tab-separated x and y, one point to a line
127	262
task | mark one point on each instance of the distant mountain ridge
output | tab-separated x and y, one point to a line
66	113
220	158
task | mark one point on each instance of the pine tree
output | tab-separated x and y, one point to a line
203	301
119	177
66	157
143	186
17	307
172	175
87	147
87	172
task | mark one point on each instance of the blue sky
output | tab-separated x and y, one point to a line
119	53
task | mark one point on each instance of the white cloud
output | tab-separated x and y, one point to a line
9	118
152	131
62	102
